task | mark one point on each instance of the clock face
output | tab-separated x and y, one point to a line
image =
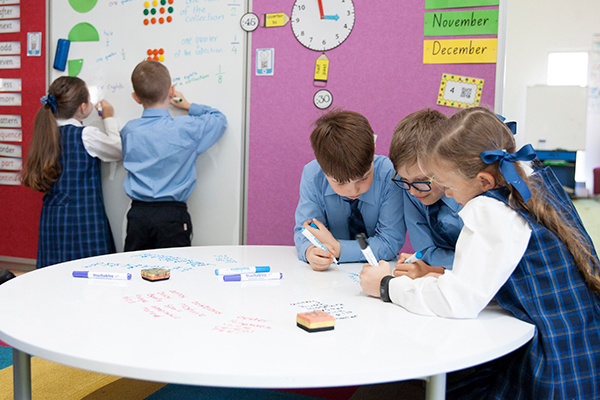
322	25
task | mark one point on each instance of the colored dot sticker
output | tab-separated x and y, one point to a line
170	9
153	11
155	3
146	11
161	20
170	1
163	2
162	10
149	52
153	20
161	51
147	4
146	22
169	19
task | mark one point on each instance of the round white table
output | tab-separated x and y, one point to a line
196	329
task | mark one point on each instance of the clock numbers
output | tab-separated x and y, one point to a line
322	25
323	99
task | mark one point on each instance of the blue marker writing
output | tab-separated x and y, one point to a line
413	258
315	241
268	276
102	275
366	249
241	270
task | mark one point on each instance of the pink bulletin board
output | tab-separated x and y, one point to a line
378	71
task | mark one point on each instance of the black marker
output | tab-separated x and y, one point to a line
364	246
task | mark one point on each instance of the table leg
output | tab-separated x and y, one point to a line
21	375
436	387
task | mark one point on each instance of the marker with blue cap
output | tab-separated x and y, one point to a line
241	270
315	241
413	258
267	276
102	275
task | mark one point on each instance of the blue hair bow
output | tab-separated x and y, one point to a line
50	100
512	125
508	170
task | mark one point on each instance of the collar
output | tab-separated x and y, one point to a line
70	121
155	112
367	197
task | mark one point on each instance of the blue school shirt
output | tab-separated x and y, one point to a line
160	152
546	289
381	207
437	250
73	221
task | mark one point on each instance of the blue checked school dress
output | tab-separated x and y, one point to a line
562	361
73	222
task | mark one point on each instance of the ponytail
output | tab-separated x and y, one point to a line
42	167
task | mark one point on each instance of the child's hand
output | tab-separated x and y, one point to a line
415	270
323	235
318	259
371	276
107	109
179	101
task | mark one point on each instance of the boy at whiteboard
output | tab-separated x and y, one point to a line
431	218
345	191
159	154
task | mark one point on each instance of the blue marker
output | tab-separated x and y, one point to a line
241	270
102	275
315	241
268	276
413	258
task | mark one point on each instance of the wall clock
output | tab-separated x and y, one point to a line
322	25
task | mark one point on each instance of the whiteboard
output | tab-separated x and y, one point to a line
556	116
204	49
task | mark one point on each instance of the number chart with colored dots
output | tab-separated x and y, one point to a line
158	11
203	46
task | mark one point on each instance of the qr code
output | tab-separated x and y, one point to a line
466	92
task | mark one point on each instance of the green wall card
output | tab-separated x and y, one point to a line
435	4
456	23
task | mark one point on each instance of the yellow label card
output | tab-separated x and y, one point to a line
321	70
459	91
276	19
460	51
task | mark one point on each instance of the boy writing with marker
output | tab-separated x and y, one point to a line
159	154
347	190
431	218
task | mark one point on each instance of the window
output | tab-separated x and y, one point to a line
570	68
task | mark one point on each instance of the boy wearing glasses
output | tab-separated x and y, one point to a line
431	218
345	191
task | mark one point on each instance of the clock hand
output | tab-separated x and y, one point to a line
335	17
321	9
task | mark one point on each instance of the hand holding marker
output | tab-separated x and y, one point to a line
413	258
315	241
364	247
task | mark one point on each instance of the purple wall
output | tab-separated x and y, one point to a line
378	71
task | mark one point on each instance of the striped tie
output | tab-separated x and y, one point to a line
356	224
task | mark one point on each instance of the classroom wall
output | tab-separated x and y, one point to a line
378	72
535	28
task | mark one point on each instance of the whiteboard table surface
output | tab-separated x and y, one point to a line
196	329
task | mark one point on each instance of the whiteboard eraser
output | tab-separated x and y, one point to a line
62	51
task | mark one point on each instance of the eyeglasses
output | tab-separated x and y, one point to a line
420	186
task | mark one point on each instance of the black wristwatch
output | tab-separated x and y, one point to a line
384	288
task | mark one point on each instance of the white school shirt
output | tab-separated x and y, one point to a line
489	248
104	145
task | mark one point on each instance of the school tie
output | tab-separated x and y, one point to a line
356	223
442	235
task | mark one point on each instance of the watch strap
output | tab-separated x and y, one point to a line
384	288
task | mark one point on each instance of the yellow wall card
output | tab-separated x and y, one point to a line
459	51
459	91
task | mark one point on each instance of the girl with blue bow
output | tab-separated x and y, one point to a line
524	245
63	162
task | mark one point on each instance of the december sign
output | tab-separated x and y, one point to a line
459	51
